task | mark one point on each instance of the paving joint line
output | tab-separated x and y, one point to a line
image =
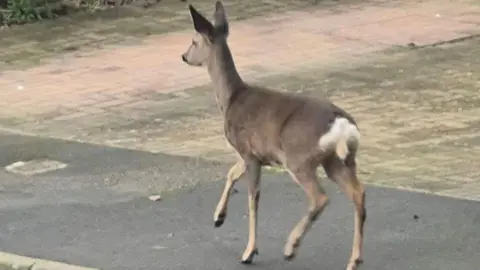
421	191
443	42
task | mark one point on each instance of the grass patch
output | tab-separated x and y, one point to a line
26	45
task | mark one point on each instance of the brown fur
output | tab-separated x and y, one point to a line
267	127
271	132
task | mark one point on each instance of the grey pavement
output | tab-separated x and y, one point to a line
96	213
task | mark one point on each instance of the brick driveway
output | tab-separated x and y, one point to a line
88	86
145	98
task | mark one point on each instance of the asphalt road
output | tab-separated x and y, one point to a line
96	213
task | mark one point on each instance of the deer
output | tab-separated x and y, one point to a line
266	127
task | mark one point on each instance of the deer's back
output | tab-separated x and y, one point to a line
268	124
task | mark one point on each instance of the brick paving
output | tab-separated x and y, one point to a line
76	87
144	97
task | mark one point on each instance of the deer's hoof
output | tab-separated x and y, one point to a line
218	223
290	251
248	259
354	264
289	257
220	219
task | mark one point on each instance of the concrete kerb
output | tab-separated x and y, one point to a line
22	262
277	169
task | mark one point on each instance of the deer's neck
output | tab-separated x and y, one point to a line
224	75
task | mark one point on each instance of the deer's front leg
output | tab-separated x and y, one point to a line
235	172
252	172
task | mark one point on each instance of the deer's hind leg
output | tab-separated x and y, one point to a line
344	174
306	177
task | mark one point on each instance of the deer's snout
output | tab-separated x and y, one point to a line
184	58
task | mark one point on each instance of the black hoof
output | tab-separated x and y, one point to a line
220	220
249	260
289	257
218	223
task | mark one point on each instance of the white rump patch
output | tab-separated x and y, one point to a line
342	133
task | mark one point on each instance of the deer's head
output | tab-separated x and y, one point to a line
206	36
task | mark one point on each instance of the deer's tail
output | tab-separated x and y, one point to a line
341	137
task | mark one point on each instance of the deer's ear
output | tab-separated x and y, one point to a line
200	23
220	19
